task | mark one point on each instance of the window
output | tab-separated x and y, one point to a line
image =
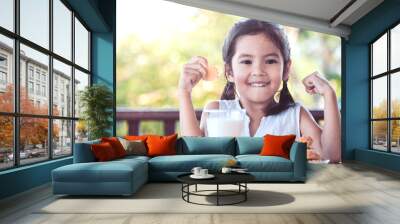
385	97
41	84
43	77
55	102
3	61
33	149
37	74
3	71
44	91
3	78
62	74
35	21
62	31
38	89
81	45
81	81
62	129
7	142
6	75
395	47
30	72
30	87
7	14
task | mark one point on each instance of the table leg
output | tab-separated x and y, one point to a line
182	188
245	191
188	189
217	194
196	188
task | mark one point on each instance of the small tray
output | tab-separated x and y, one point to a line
208	176
240	171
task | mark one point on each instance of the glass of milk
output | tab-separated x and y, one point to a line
225	123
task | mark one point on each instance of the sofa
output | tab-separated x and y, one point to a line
126	175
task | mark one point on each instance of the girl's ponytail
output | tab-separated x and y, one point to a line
229	91
285	101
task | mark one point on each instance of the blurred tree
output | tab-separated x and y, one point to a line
380	127
148	72
312	51
33	130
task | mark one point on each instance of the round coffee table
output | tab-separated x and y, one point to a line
238	179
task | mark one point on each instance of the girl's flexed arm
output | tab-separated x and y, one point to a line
328	139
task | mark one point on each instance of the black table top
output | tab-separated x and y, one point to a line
220	178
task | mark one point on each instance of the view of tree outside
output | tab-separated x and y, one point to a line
33	131
379	128
380	135
151	52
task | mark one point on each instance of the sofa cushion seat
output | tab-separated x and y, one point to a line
132	158
184	163
112	171
257	163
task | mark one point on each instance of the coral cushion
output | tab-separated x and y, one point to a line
277	145
116	145
136	137
161	145
103	151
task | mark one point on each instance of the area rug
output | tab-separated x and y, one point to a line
167	198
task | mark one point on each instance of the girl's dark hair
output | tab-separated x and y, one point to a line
277	35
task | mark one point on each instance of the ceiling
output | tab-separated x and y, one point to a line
326	16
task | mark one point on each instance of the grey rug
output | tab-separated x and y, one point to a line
166	198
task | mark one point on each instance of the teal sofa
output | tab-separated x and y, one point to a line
125	176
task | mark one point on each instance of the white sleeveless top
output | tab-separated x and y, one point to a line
285	123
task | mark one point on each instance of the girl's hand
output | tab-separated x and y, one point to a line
316	84
313	155
192	72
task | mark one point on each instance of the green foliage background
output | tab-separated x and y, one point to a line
148	71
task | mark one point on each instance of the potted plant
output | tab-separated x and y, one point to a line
96	102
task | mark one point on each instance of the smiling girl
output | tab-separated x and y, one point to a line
257	66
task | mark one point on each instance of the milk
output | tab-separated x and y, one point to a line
222	127
222	123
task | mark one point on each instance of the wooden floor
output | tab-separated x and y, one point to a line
377	188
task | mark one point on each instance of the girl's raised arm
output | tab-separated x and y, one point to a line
191	74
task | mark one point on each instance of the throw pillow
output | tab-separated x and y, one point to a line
135	147
117	146
277	145
136	137
142	138
161	145
103	151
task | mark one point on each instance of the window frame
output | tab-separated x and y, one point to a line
388	74
16	114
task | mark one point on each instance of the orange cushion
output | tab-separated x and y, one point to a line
136	137
103	151
277	145
161	145
116	145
